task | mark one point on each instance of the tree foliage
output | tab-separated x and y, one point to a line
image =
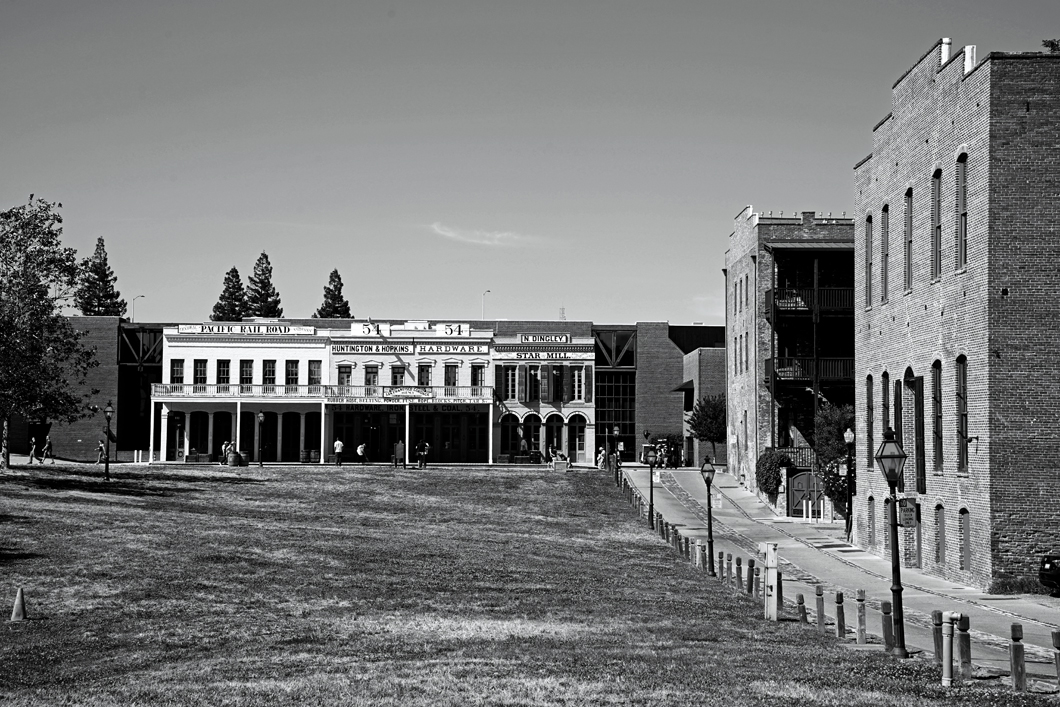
95	294
830	450
1053	45
769	471
262	298
43	363
707	421
232	304
335	306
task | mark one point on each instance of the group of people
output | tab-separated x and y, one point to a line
45	450
422	450
607	461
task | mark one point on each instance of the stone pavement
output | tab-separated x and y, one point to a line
811	556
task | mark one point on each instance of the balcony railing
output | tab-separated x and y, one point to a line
403	393
808	300
827	369
801	457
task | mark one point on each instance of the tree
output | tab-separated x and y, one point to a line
707	421
335	306
262	298
95	294
233	301
830	450
769	471
43	363
1053	45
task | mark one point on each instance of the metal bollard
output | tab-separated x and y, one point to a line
699	561
1015	659
800	608
780	590
948	619
739	573
721	566
888	626
936	634
758	583
751	569
728	568
840	617
820	609
964	649
862	629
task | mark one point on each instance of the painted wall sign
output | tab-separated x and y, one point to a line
448	407
338	348
263	329
424	349
354	407
370	328
407	391
544	338
544	355
452	330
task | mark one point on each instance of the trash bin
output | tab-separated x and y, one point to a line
303	456
234	459
314	456
244	458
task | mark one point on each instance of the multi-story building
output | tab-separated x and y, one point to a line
956	248
789	320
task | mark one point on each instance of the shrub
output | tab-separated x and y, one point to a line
769	471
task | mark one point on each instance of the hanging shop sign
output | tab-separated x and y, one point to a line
449	407
407	391
253	329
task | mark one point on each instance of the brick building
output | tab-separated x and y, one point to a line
956	249
789	319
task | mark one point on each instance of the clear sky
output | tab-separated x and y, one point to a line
581	154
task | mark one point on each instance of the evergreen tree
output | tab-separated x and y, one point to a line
262	298
95	295
707	421
335	306
233	302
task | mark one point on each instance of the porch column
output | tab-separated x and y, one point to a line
151	439
209	435
564	444
239	417
301	434
323	434
279	436
164	431
408	437
255	452
489	445
187	433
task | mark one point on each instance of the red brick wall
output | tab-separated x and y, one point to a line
660	369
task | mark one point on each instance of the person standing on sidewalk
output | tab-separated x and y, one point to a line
399	455
32	449
362	452
46	450
338	452
421	453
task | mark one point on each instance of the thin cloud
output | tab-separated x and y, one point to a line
488	238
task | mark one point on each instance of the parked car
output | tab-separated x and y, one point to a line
1049	573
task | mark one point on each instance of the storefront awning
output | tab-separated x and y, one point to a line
687	385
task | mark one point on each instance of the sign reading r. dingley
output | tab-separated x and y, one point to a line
244	329
544	338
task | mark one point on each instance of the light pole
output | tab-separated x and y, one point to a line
848	437
484	305
607	455
134	305
108	412
891	459
707	470
261	424
650	458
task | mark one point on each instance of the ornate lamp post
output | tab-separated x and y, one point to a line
613	464
108	412
848	437
261	424
650	459
891	459
707	470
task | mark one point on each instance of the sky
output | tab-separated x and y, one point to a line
583	156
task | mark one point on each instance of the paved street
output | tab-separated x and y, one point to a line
811	556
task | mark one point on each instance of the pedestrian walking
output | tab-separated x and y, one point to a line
32	449
338	452
362	452
46	451
399	455
421	453
101	452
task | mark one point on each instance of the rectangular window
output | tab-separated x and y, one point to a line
869	422
936	224
962	211
224	372
885	250
345	375
868	261
246	372
315	372
557	383
268	372
451	375
962	415
533	378
478	375
423	375
397	375
577	383
909	239
511	391
290	375
736	355
371	376
199	372
936	414
176	370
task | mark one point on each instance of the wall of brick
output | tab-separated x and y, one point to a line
706	368
77	440
660	369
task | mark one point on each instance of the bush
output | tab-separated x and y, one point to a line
769	471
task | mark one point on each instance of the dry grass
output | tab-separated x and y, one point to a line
371	586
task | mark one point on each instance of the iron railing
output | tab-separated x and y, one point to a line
801	457
807	299
803	368
405	393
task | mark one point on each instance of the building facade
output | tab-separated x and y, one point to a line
789	321
956	244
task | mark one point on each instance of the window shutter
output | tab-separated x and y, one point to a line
520	383
568	384
587	383
546	376
498	383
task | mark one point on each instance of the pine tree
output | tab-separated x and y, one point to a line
335	306
262	298
233	301
95	295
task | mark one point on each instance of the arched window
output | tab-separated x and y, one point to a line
908	239
885	250
510	434
962	211
869	422
532	431
885	394
936	414
936	224
872	521
868	261
962	414
964	538
940	534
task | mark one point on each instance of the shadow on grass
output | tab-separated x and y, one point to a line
121	484
9	555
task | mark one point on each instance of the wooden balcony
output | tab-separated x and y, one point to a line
807	300
808	369
326	393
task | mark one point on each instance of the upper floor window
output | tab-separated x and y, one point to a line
290	373
869	422
451	372
936	413
314	373
345	375
176	370
885	250
577	376
510	389
397	375
885	395
423	374
962	414
533	383
199	372
868	261
268	372
371	375
246	372
909	239
936	224
962	211
478	374
224	372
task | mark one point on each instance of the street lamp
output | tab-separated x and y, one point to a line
261	423
108	412
484	305
707	470
650	458
134	305
614	462
891	460
848	437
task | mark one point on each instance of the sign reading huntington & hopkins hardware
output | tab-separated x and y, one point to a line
254	329
345	348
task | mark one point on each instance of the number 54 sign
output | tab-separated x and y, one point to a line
452	329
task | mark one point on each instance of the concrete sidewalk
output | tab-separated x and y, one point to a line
811	558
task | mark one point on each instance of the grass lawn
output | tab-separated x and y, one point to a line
457	586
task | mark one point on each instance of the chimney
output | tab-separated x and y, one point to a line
969	58
945	51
